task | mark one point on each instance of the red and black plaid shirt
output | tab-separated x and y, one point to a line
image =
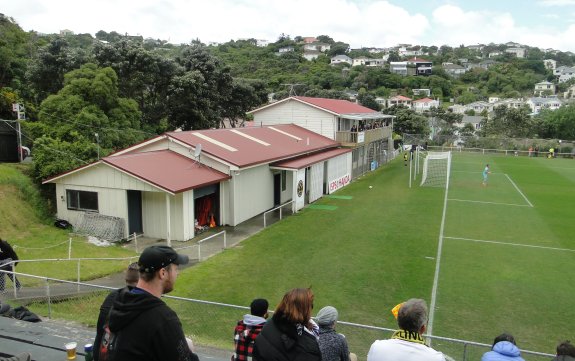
244	337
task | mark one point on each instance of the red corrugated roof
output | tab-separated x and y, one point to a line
423	100
245	147
309	160
400	97
418	60
167	170
337	106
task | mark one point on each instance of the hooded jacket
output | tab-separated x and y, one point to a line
146	329
280	340
503	351
245	334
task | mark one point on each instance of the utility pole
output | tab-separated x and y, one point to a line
292	88
98	144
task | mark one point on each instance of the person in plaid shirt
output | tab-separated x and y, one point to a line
248	329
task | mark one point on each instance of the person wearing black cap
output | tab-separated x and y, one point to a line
140	326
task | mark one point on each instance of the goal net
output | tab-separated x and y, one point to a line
103	227
436	168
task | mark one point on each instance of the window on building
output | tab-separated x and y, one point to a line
82	200
284	180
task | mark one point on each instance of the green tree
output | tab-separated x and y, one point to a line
87	105
407	121
558	124
13	53
508	122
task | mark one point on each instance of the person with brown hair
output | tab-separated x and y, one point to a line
565	352
290	334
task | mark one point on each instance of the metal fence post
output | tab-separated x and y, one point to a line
70	248
13	279
78	273
136	242
49	300
199	251
225	241
465	351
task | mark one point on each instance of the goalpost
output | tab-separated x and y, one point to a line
436	169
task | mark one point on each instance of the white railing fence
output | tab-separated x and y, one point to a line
207	323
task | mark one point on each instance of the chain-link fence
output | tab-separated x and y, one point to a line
207	323
507	146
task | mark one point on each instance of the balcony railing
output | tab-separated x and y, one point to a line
349	138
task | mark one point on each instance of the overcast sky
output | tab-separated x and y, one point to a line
370	23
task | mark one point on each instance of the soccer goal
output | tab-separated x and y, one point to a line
436	169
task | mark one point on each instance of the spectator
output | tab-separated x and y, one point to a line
248	329
504	349
407	343
140	326
7	255
131	276
289	335
333	345
565	352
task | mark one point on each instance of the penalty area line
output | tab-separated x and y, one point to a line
483	202
518	190
511	244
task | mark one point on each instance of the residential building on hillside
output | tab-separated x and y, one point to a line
422	105
309	39
518	52
398	67
173	185
569	94
544	88
550	64
399	100
403	51
338	59
423	92
311	54
367	132
564	73
317	46
454	70
537	104
286	49
362	60
419	66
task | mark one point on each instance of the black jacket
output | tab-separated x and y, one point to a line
6	251
147	329
282	341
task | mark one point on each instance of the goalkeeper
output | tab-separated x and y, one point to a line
485	173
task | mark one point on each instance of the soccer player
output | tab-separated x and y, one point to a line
485	173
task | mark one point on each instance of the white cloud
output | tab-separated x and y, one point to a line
557	2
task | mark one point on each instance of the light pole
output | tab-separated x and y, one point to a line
98	144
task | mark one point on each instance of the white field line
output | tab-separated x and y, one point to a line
437	264
501	204
512	244
518	190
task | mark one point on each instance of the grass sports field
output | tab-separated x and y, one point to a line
507	255
505	265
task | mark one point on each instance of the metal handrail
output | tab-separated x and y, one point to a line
273	209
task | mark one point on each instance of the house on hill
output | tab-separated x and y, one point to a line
174	184
367	132
422	105
419	66
544	88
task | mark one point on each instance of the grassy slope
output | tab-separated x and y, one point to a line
34	237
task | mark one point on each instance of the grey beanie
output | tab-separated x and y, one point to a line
326	316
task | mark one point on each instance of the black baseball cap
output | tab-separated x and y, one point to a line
155	257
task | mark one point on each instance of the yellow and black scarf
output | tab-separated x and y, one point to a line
408	336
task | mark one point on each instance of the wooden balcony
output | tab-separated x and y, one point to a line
351	139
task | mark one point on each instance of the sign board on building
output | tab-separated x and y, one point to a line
339	183
361	137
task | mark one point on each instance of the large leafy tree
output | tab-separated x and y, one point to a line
85	119
197	96
558	124
143	75
13	53
46	71
508	122
407	121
